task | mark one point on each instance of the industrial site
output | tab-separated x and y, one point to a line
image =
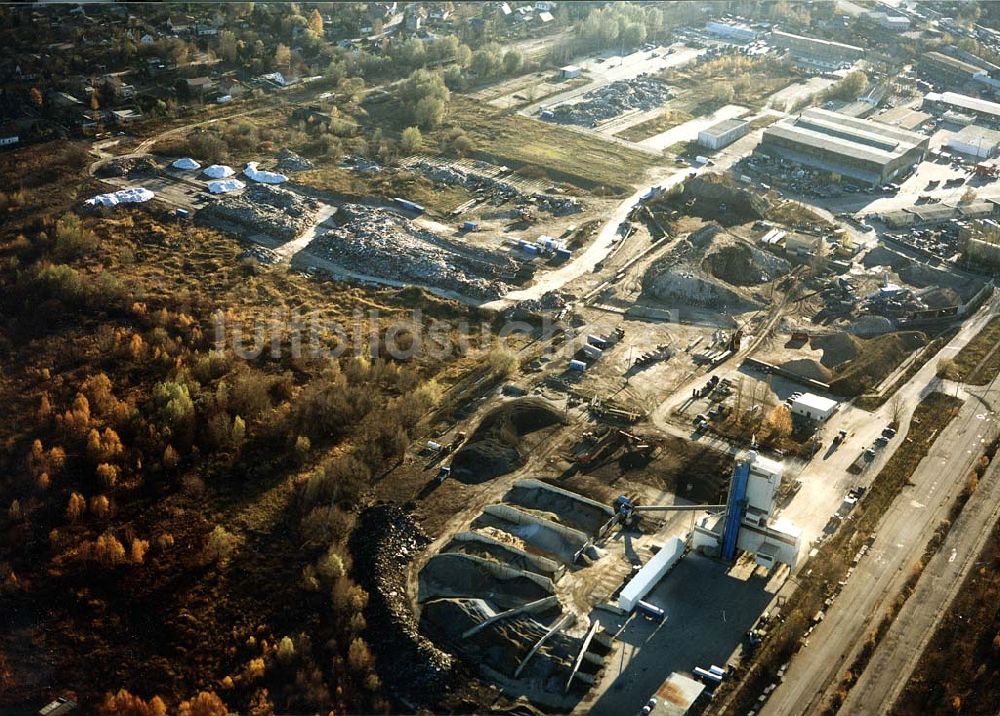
501	357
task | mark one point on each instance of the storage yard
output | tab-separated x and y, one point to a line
701	326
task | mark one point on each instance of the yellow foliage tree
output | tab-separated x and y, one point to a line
206	703
76	507
123	703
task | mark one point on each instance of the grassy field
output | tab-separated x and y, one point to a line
830	565
729	80
958	670
979	361
668	119
561	154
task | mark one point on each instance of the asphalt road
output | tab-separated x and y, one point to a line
897	655
900	538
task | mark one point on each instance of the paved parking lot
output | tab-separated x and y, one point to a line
708	610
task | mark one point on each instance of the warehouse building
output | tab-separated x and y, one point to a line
825	53
723	133
985	111
942	69
975	141
858	149
732	32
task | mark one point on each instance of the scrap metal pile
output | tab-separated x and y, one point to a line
497	189
381	244
268	209
610	101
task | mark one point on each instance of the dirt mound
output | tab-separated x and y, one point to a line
837	348
882	256
941	298
453	574
131	167
494	448
876	359
714	196
566	508
808	368
743	265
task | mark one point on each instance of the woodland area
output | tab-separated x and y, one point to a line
176	519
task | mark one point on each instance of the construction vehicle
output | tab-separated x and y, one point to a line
443	474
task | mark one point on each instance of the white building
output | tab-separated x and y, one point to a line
723	133
815	407
976	141
569	72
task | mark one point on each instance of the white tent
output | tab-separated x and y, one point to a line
131	195
186	163
219	171
225	185
264	177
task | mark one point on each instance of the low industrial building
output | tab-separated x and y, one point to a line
975	141
723	133
815	51
904	118
733	32
944	69
814	407
982	241
569	72
894	23
983	110
858	149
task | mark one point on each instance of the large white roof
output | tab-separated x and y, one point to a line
816	402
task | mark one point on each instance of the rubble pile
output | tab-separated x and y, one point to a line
385	541
277	212
381	244
260	254
131	167
496	189
640	93
289	161
361	165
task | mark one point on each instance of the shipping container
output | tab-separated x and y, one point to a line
577	365
597	341
592	352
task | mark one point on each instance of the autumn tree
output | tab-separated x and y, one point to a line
137	551
206	703
316	22
228	47
410	140
76	507
220	545
282	56
123	703
107	550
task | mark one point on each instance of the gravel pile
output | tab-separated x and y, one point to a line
289	161
381	244
641	93
384	542
277	212
261	254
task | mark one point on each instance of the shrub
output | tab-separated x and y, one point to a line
220	545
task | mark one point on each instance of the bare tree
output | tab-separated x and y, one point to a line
896	408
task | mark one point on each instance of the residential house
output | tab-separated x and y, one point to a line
179	24
147	40
200	85
232	87
126	117
439	15
545	6
206	29
544	17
